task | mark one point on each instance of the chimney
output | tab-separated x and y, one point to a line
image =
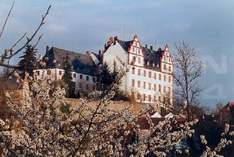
151	47
146	45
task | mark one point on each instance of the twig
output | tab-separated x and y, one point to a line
33	35
5	22
17	42
38	40
9	66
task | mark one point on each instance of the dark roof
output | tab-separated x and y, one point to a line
81	62
125	44
150	55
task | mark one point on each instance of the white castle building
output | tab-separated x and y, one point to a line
149	75
149	72
84	66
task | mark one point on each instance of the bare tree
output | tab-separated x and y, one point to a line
9	53
188	70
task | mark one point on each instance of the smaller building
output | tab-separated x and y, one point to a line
84	67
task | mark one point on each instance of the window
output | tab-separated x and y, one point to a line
139	60
155	87
81	76
149	74
80	85
155	76
159	76
169	90
165	78
164	67
169	78
133	70
87	78
149	97
138	96
144	97
154	98
74	75
164	89
60	72
169	68
133	83
149	86
48	72
139	71
144	73
38	73
159	88
139	84
144	85
159	98
134	59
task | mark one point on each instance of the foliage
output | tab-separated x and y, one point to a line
12	51
28	61
106	77
47	126
67	77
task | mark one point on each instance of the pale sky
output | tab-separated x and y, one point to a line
82	25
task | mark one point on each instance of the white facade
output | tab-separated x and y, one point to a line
83	82
147	84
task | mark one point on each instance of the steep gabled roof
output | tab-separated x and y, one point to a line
125	44
150	56
81	62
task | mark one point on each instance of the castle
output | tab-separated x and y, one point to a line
149	77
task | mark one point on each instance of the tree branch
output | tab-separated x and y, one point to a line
6	20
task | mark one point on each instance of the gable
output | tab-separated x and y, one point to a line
115	54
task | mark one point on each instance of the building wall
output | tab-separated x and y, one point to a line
83	82
146	85
117	58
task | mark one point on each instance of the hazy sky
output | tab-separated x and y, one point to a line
81	25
